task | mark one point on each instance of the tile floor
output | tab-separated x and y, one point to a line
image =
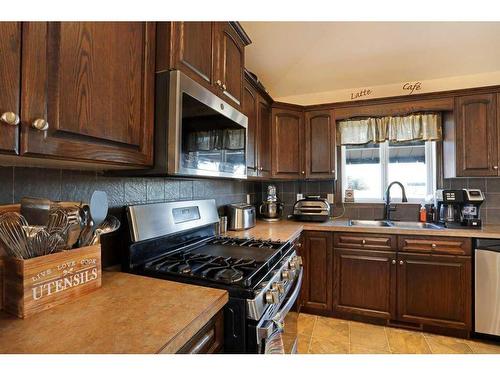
321	335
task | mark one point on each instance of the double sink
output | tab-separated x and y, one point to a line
394	224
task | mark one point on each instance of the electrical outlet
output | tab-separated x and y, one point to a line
330	198
300	196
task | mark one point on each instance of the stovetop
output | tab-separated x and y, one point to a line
226	261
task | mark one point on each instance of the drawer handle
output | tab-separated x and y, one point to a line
363	242
401	262
203	341
433	245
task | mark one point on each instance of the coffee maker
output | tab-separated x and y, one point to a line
459	208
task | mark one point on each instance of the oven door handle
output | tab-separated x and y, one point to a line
278	319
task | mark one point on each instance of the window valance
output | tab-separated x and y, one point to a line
419	126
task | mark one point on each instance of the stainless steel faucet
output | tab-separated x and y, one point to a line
388	207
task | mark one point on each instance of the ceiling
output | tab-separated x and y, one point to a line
295	58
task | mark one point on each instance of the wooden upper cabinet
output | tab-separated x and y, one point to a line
264	137
10	81
91	85
230	62
317	252
288	143
193	50
249	108
435	290
476	135
320	144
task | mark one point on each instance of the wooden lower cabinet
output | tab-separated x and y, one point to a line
422	290
209	339
435	290
317	256
365	283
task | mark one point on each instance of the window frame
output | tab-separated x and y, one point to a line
431	157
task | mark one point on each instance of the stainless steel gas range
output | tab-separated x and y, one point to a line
177	241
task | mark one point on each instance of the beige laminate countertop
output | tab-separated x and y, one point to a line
285	230
128	314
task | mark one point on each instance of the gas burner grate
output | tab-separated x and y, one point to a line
248	242
215	268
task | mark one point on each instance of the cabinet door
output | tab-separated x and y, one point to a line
476	135
264	137
320	144
193	50
230	62
435	290
365	283
288	143
10	81
318	267
93	84
249	108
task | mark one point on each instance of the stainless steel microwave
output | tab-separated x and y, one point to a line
196	132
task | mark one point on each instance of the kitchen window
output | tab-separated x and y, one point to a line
368	169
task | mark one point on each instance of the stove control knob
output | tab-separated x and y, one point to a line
279	286
298	261
285	275
272	297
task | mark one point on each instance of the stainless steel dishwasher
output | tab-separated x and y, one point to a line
487	287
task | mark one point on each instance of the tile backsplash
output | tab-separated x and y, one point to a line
73	185
287	191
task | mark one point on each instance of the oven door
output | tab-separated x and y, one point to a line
279	334
207	136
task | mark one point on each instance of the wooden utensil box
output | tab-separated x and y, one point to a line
37	284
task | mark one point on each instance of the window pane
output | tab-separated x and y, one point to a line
407	165
363	171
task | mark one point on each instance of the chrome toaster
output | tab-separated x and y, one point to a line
240	216
311	208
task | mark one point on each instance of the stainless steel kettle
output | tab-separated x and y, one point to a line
271	209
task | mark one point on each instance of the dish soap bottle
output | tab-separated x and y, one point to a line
423	214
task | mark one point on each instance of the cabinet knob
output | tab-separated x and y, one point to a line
40	124
363	242
333	170
218	83
495	167
401	262
223	86
303	172
10	118
433	245
393	261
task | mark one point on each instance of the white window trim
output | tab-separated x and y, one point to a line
430	157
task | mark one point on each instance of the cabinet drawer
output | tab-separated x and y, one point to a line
444	245
209	339
365	241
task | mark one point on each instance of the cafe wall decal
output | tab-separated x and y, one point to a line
407	88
